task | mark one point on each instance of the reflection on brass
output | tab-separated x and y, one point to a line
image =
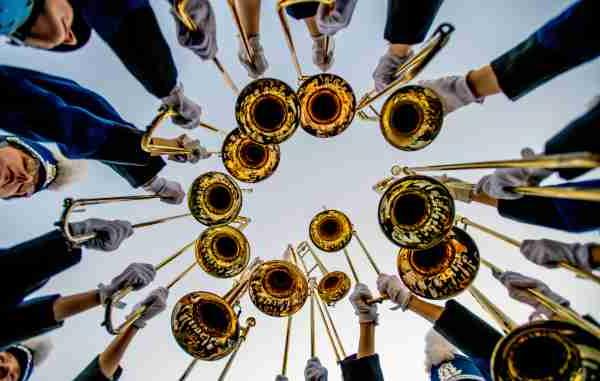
442	271
327	105
222	251
247	160
330	230
214	199
547	350
416	212
267	111
411	118
333	287
278	288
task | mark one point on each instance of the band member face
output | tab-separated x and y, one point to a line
19	173
10	370
53	26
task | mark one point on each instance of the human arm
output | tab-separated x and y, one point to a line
201	38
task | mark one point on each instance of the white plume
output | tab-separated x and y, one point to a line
41	348
69	171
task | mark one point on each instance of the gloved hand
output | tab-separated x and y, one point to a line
136	275
495	184
155	303
454	92
198	151
330	21
460	190
202	40
109	234
259	63
323	59
189	113
386	69
314	371
170	192
548	253
517	284
395	289
366	313
281	378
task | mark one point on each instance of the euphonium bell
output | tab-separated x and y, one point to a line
267	111
222	251
247	160
443	270
330	230
278	288
416	212
214	199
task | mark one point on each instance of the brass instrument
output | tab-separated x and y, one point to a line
247	160
327	101
71	206
333	286
250	323
571	160
412	117
206	325
267	111
416	212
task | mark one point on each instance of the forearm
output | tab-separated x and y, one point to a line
111	357
483	198
249	15
430	312
366	342
595	256
68	306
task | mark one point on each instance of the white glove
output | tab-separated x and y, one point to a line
198	151
109	234
155	303
203	40
136	275
188	112
366	313
495	184
170	192
259	63
548	253
386	69
394	289
321	58
453	91
331	21
314	371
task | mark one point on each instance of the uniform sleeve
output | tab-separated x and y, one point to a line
365	368
466	331
93	372
27	266
409	21
29	319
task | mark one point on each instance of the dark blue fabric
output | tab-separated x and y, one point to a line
409	21
468	368
569	40
366	368
83	124
574	216
302	10
92	372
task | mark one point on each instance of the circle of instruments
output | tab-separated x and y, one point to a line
214	199
247	160
333	287
205	326
411	118
267	111
327	105
443	270
278	288
547	350
222	251
416	212
330	230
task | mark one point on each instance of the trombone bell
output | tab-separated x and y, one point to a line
214	199
222	251
330	230
247	160
333	287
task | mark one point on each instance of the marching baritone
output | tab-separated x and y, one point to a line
129	27
106	366
18	361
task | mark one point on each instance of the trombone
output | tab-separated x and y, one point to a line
412	116
247	160
569	160
327	101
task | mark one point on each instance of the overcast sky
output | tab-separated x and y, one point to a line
338	172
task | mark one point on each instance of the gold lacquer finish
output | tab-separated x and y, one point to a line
547	350
205	325
416	212
411	118
330	230
442	271
333	287
247	160
278	288
327	105
214	199
267	111
222	251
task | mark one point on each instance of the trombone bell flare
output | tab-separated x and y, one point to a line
247	160
333	287
214	199
330	230
222	251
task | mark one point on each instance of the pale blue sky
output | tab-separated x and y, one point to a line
338	173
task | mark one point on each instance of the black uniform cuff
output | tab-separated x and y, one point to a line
93	372
365	368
